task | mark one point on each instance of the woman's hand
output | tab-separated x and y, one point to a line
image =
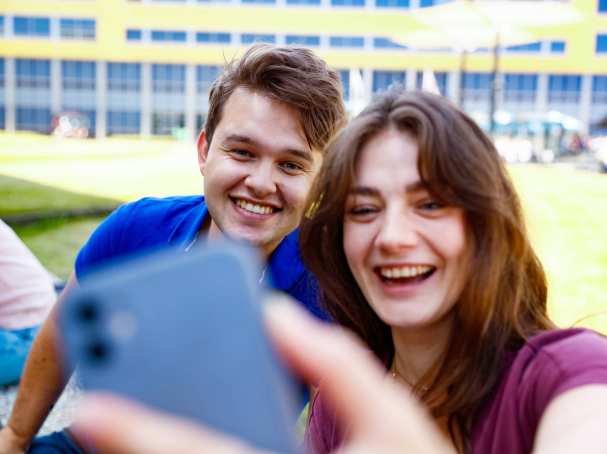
380	416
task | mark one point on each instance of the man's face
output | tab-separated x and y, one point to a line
257	170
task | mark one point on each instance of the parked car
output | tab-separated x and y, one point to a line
71	124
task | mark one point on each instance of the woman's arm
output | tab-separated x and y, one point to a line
574	422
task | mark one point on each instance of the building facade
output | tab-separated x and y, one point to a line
145	67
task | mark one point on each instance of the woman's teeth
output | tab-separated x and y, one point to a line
404	271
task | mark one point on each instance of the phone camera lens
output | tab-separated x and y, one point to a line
98	351
88	311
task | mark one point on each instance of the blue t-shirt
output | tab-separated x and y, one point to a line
154	223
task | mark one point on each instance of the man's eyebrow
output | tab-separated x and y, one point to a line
306	155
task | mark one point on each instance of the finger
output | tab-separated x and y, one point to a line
351	378
376	411
114	425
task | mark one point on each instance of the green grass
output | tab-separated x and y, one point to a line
567	217
566	209
56	242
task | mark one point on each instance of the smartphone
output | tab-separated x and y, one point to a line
182	332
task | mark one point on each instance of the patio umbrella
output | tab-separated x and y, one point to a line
464	26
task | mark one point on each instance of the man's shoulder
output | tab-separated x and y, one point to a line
140	226
160	208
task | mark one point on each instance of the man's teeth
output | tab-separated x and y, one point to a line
254	208
404	271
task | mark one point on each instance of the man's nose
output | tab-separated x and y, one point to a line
261	180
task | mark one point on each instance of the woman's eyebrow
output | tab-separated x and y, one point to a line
364	190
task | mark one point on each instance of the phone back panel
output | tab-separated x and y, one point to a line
183	332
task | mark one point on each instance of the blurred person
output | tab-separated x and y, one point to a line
418	241
351	378
271	114
26	297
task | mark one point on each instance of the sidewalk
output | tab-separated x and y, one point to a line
61	416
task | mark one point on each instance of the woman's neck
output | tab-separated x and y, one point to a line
416	350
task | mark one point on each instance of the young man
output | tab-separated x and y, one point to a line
271	113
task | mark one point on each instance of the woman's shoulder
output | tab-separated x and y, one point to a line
567	350
547	365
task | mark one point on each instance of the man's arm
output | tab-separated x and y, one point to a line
41	384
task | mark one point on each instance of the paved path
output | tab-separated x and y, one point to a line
61	416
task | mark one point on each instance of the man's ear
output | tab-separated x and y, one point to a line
203	151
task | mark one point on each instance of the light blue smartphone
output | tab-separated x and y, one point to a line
183	332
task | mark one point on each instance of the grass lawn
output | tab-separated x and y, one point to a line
566	209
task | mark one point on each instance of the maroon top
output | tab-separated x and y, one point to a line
547	365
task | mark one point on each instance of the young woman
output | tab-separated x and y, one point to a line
417	237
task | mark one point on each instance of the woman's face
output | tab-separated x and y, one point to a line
406	250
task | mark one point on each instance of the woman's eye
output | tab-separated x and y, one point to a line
361	211
432	205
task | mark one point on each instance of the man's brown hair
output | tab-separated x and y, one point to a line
291	75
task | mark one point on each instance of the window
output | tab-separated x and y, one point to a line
123	122
427	3
31	26
599	89
1	74
33	119
163	123
557	47
355	3
384	80
303	40
344	75
219	38
386	43
168	78
477	86
392	3
565	88
250	38
124	77
304	2
77	29
78	75
601	44
346	41
169	36
602	6
205	76
439	77
526	48
259	2
133	35
520	87
33	73
1	25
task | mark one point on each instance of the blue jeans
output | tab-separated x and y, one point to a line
14	348
55	443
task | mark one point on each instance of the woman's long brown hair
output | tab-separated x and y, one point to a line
504	299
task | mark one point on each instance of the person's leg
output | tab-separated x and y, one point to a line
14	348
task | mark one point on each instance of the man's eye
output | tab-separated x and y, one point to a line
241	153
292	167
